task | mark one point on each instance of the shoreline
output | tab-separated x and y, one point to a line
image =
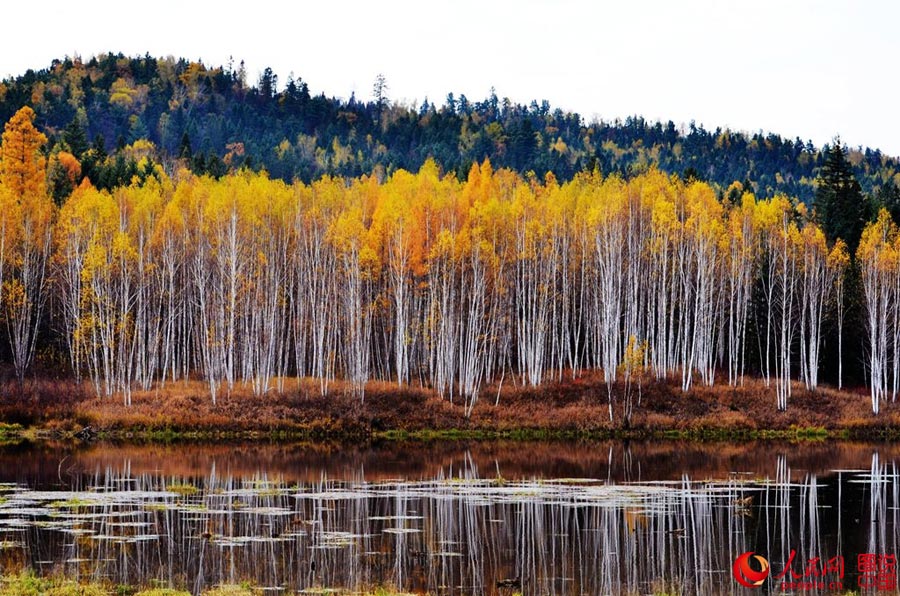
13	434
29	582
574	409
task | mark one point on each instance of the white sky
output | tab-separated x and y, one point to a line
803	68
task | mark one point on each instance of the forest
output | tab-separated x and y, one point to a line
219	121
433	280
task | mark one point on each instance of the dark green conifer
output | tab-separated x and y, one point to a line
841	208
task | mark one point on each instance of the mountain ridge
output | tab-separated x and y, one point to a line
214	118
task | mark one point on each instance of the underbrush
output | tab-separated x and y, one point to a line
570	407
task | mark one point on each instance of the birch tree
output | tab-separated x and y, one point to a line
878	260
28	220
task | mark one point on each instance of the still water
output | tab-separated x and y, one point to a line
455	518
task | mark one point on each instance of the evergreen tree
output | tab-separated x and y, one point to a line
184	149
100	147
888	196
268	84
379	92
75	138
841	208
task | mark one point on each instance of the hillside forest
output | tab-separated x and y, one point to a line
152	262
218	121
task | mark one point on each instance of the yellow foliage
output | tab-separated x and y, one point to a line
391	239
635	353
121	93
23	169
876	246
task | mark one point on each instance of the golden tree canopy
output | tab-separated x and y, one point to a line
23	169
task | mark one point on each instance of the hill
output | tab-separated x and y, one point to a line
216	119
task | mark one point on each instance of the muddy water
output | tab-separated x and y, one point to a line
457	518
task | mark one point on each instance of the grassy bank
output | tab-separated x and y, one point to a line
28	584
574	408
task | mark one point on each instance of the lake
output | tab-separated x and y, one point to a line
457	517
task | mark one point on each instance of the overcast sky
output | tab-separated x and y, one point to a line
813	69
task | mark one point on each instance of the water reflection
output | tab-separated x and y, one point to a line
450	518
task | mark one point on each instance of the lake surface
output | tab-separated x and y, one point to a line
454	518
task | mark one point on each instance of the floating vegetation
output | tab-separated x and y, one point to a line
136	539
244	540
96	515
333	495
249	510
77	531
336	539
193	507
26	511
136	524
55	524
74	503
402	530
183	490
103	537
266	491
159	506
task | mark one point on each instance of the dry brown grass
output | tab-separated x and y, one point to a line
576	405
